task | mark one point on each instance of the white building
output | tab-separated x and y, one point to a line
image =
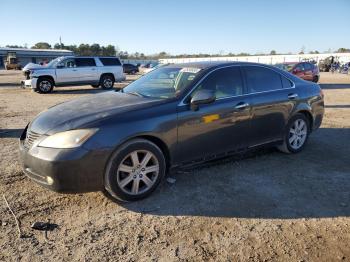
265	59
26	56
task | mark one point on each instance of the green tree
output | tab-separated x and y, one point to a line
95	49
15	46
273	52
42	45
343	50
109	50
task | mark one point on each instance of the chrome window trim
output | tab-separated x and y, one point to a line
222	67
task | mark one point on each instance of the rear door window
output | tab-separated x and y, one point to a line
261	79
85	62
110	61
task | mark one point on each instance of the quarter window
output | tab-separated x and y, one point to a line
286	83
261	79
110	61
83	62
224	82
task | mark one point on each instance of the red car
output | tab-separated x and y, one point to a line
304	70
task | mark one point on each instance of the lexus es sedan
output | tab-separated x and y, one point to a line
125	141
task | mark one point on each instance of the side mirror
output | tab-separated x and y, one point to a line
202	97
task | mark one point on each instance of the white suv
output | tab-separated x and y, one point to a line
72	70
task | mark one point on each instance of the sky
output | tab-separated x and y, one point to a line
180	26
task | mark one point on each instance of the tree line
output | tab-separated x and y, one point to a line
110	50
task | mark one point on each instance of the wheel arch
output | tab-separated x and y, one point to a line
149	137
49	77
107	74
161	144
307	113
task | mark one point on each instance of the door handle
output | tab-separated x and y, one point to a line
241	105
292	96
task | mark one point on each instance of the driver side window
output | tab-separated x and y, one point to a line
224	82
68	63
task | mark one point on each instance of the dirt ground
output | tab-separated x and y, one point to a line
263	206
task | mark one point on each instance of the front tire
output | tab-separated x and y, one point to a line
44	85
107	81
134	170
296	135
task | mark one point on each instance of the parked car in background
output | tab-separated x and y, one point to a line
344	68
305	70
176	115
71	70
149	69
130	69
325	64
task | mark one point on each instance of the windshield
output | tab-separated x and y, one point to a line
54	62
164	82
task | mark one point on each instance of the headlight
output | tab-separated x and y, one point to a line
68	139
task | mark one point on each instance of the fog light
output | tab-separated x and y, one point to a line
49	180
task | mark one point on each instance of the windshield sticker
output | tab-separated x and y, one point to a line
190	70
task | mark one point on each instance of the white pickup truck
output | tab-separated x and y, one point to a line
74	70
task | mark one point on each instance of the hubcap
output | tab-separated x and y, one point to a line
137	172
297	134
45	86
108	83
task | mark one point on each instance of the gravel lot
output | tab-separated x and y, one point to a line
262	206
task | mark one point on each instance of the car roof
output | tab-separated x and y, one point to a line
90	57
209	65
214	64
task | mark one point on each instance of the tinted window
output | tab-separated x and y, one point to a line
308	66
300	67
82	62
110	61
68	63
260	79
224	82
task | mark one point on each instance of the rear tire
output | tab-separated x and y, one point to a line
107	81
44	85
296	134
134	170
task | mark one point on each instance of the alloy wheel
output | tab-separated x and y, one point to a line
107	83
45	86
297	134
137	172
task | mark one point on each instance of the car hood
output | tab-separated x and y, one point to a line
79	112
31	66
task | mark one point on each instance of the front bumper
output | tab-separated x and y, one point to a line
64	170
30	83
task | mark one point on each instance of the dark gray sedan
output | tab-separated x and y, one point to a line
126	141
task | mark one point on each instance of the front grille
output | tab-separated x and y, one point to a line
31	137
